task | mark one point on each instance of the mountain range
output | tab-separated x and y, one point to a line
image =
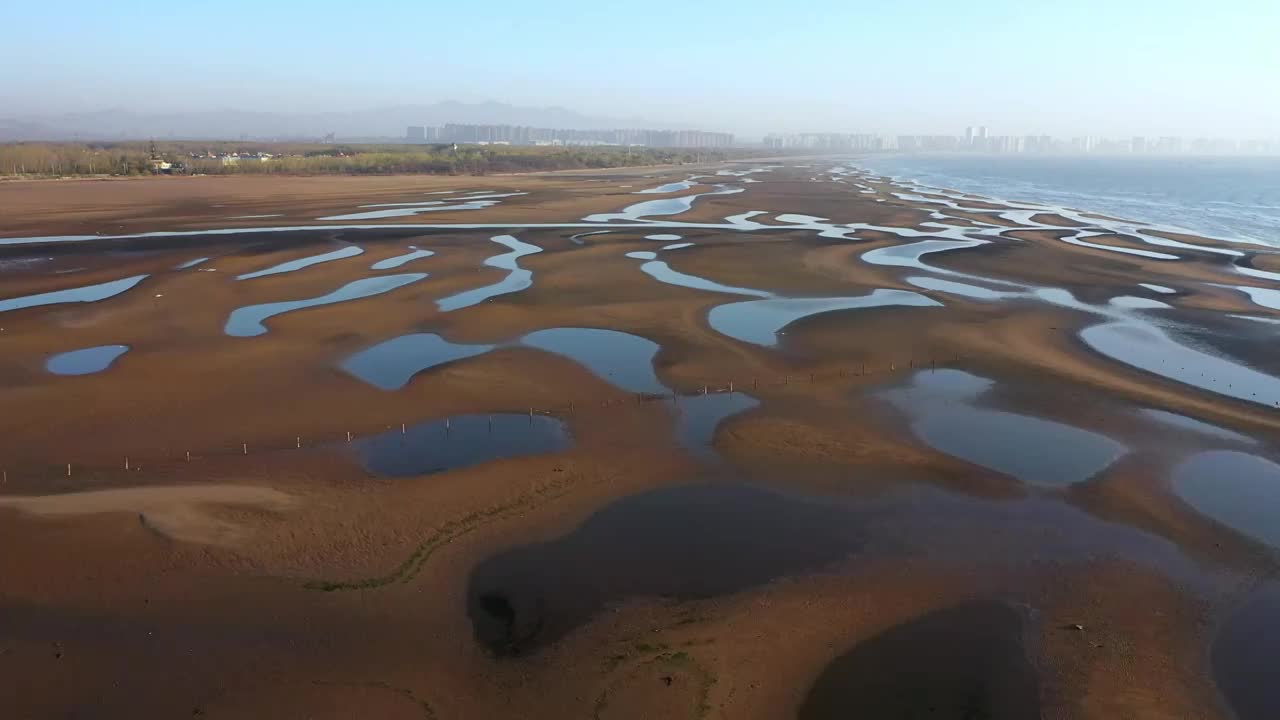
386	122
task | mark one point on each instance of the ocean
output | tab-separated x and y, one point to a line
1229	198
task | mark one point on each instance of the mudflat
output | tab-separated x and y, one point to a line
550	446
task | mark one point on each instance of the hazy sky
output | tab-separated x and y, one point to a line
750	66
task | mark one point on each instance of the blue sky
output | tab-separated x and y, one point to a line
1117	67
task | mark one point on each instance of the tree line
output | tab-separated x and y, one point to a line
36	159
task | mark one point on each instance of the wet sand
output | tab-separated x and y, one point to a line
723	530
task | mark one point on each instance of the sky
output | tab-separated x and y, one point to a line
1116	68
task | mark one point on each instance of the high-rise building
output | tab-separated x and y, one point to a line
416	133
968	135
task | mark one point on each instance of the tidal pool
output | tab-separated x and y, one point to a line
662	237
677	246
952	287
85	361
517	278
910	255
663	207
661	271
622	359
88	293
687	542
1239	490
191	263
1158	288
577	239
248	321
413	209
300	263
701	415
458	442
1078	239
759	321
395	262
1148	348
392	364
942	405
1131	302
668	188
1262	297
966	661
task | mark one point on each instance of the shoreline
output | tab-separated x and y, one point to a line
912	180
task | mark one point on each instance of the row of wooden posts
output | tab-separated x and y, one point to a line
640	398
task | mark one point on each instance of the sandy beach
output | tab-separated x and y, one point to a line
535	446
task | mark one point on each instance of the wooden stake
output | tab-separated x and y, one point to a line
245	447
402	430
348	436
298	441
126	462
68	469
188	456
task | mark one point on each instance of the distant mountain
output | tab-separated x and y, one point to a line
388	122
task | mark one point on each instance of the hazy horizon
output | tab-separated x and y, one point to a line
747	67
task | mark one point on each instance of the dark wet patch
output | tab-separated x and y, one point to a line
460	442
683	543
1245	655
967	662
